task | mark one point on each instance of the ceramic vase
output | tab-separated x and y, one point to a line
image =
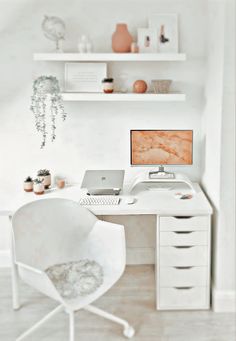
140	87
121	39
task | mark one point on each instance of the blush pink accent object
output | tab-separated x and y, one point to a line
140	87
121	39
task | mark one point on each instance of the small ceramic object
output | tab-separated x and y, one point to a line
82	48
123	83
60	183
28	184
134	47
89	47
45	176
140	87
38	187
108	85
82	44
121	39
85	45
161	86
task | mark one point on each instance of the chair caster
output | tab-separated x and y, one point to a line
129	332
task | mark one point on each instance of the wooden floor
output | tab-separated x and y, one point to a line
132	298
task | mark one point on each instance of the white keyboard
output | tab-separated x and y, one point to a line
99	200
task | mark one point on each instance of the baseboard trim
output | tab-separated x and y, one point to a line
5	259
223	301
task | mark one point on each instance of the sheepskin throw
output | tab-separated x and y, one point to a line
75	279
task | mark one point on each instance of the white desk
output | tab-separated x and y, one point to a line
149	202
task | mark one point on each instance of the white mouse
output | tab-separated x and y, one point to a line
130	200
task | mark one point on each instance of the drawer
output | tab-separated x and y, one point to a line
183	256
182	238
184	223
183	276
183	298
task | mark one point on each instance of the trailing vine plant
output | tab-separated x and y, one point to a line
46	104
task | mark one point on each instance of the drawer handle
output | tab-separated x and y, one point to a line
183	232
181	217
183	247
183	288
183	267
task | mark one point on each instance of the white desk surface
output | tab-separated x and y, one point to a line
148	202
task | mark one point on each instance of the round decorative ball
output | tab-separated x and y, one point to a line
140	87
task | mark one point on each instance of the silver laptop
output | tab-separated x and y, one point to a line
103	182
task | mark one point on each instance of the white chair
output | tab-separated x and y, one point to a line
54	231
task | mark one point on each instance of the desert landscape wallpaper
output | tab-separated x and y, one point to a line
161	147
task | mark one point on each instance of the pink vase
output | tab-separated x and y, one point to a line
121	39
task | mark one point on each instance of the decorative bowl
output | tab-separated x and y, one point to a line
161	86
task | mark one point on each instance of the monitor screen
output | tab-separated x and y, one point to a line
161	147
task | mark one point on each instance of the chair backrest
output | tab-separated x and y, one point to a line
48	231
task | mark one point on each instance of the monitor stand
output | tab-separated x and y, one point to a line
161	174
144	178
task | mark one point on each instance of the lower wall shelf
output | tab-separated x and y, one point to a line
149	97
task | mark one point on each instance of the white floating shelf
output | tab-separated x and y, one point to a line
124	97
110	57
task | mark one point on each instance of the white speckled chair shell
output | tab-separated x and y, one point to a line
54	231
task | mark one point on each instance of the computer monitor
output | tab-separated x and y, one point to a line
161	147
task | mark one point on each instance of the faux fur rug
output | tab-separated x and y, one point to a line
75	279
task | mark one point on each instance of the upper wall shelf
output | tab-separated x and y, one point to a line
110	57
120	97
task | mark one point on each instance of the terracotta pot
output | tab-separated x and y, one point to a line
121	39
140	87
46	180
61	183
28	186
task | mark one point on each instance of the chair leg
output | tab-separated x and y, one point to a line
72	325
14	275
42	321
128	330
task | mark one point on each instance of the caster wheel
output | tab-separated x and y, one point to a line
129	332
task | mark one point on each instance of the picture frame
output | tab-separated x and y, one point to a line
84	77
167	32
147	40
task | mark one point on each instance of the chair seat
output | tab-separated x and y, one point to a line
78	278
110	276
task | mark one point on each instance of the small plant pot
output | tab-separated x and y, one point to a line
60	183
108	85
28	186
38	188
46	180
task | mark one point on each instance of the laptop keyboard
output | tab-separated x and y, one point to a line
99	200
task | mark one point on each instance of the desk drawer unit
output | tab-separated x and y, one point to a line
183	262
179	238
183	297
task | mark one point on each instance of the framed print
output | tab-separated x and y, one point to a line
84	77
167	31
147	40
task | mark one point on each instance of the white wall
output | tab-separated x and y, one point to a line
95	135
219	170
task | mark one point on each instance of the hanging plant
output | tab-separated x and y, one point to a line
46	104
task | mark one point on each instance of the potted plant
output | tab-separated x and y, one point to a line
46	104
38	186
28	184
45	176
